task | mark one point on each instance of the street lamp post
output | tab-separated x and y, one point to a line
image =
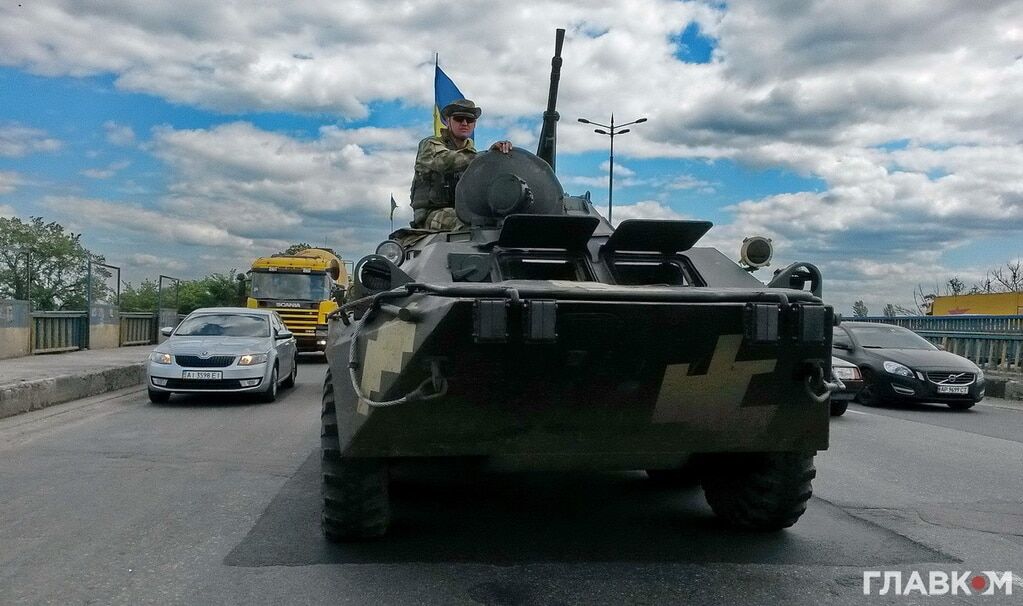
612	130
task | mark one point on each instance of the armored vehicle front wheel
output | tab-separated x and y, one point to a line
355	490
759	491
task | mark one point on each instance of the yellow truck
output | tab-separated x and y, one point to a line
303	288
993	304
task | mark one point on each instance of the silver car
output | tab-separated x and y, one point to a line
223	349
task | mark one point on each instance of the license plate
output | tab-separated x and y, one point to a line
953	389
206	375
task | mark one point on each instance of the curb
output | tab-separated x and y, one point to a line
1003	387
16	398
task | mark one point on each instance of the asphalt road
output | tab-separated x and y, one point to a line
112	500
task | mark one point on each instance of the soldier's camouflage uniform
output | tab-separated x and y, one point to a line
439	163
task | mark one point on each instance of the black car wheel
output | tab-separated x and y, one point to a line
870	395
270	394
290	381
838	408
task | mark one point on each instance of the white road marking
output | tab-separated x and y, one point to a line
856	412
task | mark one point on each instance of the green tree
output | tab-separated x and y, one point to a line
890	311
140	298
43	262
214	290
860	310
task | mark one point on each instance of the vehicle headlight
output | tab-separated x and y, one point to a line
898	369
392	251
161	358
846	372
980	374
250	359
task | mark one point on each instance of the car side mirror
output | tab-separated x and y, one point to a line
283	334
844	346
166	331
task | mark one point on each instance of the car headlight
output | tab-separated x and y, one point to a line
846	372
161	358
980	374
898	369
250	359
392	251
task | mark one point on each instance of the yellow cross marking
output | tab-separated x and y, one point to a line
712	397
385	352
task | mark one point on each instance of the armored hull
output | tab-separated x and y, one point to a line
611	376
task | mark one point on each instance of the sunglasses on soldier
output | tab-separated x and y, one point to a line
463	118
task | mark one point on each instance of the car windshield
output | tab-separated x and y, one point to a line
889	337
224	325
274	285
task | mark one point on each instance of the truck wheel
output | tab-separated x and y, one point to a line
158	397
760	491
838	408
270	393
355	499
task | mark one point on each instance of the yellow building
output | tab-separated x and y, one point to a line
988	304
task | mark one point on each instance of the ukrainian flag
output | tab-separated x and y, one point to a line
444	92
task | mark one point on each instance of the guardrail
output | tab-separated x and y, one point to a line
994	342
55	331
138	328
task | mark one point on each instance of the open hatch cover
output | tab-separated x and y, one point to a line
565	232
652	235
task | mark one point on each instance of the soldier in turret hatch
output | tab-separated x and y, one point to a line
439	164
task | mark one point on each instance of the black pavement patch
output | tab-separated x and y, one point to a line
507	519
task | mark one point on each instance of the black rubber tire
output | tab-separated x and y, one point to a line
686	476
158	397
838	408
270	393
289	382
960	405
869	395
759	491
356	504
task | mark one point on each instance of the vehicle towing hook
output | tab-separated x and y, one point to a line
817	387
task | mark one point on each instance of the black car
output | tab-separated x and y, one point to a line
900	365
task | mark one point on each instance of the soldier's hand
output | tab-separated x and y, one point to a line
501	146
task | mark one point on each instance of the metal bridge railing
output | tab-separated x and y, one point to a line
54	331
138	328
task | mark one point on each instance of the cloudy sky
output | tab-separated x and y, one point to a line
881	140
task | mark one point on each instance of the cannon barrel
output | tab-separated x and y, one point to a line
548	146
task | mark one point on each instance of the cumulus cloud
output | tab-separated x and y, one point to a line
647	209
118	134
820	89
9	181
109	171
17	141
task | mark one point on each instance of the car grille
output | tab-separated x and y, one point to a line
210	362
951	378
222	384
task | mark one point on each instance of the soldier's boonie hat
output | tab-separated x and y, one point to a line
461	107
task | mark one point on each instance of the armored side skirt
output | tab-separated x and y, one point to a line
622	383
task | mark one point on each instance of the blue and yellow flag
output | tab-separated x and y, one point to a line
444	92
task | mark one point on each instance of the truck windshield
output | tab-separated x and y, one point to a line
279	285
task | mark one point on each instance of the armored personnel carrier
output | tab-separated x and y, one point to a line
543	337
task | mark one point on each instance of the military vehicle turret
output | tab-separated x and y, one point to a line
543	337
